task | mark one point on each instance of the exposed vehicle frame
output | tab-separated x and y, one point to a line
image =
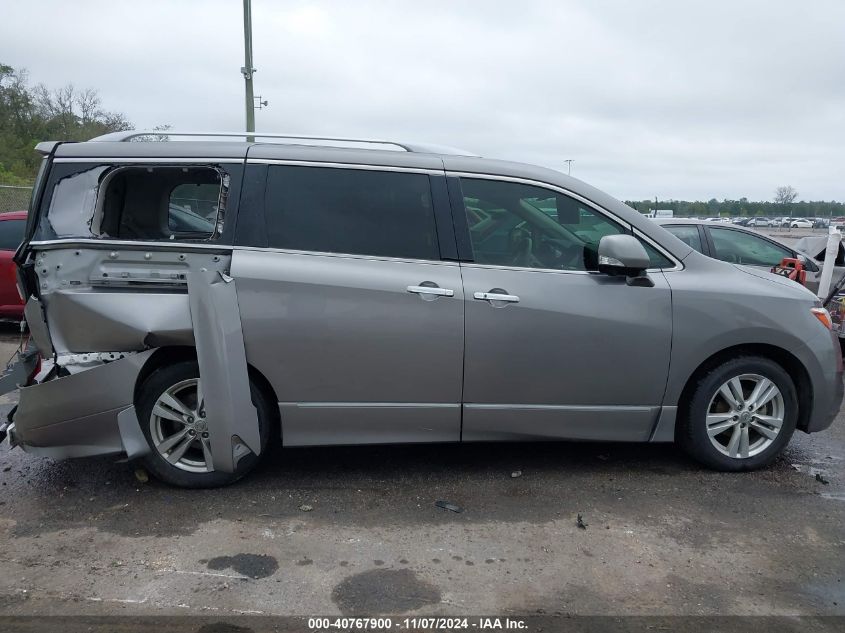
230	338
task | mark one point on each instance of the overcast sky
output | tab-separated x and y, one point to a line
668	98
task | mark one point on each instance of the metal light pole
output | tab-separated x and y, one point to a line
568	162
248	70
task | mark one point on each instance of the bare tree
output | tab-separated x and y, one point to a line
89	106
75	114
155	138
785	194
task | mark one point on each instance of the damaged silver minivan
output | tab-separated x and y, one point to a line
188	300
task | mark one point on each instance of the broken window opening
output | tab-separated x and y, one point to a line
144	203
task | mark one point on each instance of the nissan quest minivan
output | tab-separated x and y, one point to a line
190	299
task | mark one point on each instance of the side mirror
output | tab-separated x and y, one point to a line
624	255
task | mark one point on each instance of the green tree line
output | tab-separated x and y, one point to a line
29	114
743	208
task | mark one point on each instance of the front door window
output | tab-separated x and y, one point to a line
514	224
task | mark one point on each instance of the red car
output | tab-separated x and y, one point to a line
11	233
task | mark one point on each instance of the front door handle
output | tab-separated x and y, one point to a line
430	292
497	294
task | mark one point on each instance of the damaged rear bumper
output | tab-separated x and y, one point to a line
87	413
131	302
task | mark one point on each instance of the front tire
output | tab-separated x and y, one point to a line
172	417
740	416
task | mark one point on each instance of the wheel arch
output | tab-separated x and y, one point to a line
790	363
169	355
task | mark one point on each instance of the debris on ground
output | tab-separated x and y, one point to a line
7	469
516	473
448	506
141	475
820	478
579	521
603	458
306	508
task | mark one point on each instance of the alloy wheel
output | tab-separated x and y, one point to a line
745	416
178	427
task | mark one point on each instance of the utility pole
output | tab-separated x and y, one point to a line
248	70
568	162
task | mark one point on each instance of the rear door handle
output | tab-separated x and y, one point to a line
433	291
495	296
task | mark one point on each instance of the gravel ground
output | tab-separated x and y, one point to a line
357	531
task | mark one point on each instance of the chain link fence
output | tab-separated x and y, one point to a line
13	198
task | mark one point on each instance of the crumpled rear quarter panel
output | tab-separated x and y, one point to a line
76	415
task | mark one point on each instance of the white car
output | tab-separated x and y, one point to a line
800	223
759	222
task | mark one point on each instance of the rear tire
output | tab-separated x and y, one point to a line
740	416
175	389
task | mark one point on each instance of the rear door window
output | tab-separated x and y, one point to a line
11	234
351	211
192	207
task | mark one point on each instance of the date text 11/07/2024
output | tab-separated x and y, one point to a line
418	623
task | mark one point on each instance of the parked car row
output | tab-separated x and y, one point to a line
787	222
782	222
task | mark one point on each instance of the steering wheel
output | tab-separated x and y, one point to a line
522	250
559	254
545	252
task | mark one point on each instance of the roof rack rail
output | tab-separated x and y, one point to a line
128	135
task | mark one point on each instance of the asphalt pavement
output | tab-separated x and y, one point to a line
559	528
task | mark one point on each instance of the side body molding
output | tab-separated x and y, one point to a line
232	418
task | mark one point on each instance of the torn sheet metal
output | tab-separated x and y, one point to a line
77	415
131	436
232	418
33	312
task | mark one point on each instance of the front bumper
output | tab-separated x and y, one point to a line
90	412
826	380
